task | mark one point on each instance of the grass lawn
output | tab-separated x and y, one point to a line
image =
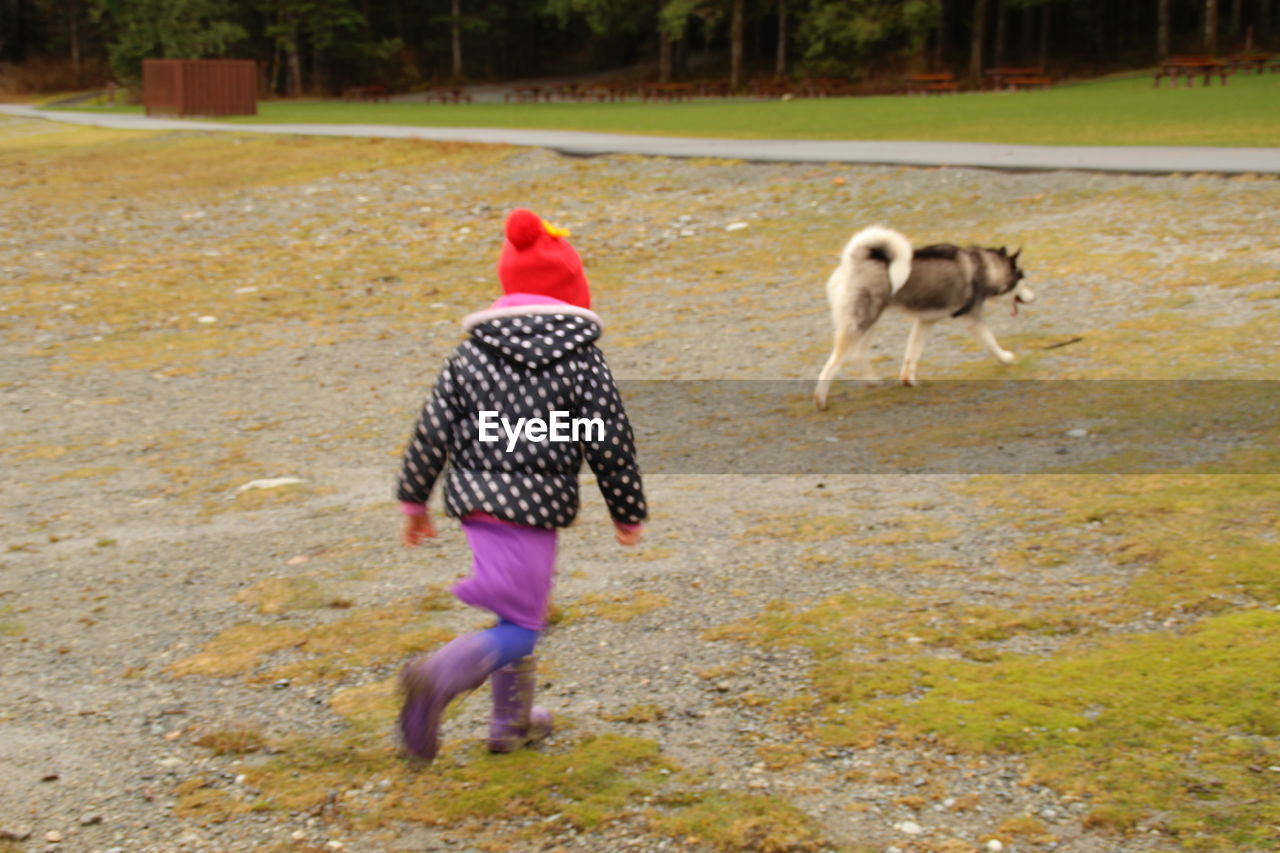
1110	112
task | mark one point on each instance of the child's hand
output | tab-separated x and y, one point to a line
417	528
628	535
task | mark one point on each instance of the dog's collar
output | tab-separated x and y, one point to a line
968	306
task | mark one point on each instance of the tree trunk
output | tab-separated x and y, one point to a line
15	46
1027	49
737	24
1264	22
294	85
73	34
1211	27
292	61
295	66
455	39
664	56
940	40
1044	36
1162	30
977	40
319	79
780	68
1237	10
1002	29
273	72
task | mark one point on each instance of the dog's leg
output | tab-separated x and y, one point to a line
846	338
862	355
988	340
915	347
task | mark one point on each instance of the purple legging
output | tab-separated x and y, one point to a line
512	570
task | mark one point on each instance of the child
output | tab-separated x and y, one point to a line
530	355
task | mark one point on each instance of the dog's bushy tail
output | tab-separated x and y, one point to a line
892	244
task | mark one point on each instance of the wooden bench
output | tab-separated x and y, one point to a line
669	92
371	93
1015	83
916	84
1003	77
1190	67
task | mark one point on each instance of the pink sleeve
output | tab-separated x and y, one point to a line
628	528
409	508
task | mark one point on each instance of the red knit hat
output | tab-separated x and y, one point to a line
537	259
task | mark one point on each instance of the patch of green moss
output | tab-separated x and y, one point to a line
585	781
278	595
86	473
324	652
800	526
1198	541
643	713
199	800
235	740
614	606
9	627
1182	725
732	821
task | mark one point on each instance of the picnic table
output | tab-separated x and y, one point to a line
601	93
447	95
825	87
937	83
713	88
1016	77
528	94
769	87
1190	67
572	91
1257	61
372	92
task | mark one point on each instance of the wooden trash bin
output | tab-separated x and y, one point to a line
200	87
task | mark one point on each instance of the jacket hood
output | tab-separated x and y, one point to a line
534	335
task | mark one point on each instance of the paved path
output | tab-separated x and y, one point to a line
1136	159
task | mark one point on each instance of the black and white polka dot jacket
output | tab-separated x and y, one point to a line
524	362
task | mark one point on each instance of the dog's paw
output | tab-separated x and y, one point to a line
1006	357
820	402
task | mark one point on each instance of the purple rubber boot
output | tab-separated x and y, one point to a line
516	721
431	683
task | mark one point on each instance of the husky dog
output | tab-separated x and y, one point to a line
879	269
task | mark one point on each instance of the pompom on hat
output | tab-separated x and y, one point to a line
536	259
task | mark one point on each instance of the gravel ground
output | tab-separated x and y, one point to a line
111	572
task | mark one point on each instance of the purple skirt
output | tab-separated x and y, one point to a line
512	571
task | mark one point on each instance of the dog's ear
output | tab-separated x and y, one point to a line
1014	256
1002	250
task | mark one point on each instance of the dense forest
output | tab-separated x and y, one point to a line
320	46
